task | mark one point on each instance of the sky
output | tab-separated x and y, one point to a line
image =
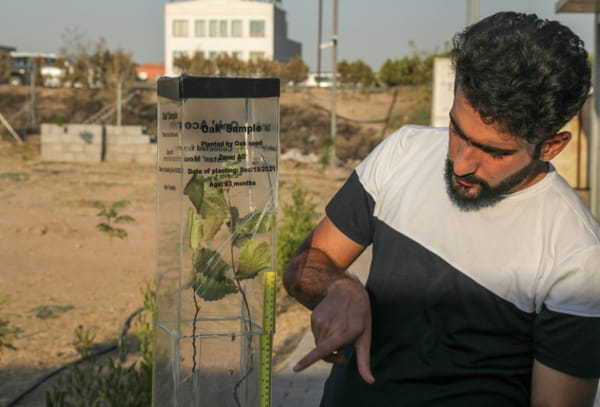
373	30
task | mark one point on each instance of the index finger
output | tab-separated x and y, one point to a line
320	351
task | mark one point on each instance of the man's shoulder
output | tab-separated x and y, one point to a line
575	217
416	133
412	139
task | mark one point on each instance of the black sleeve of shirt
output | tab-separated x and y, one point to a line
568	343
351	211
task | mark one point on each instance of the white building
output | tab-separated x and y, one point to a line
242	28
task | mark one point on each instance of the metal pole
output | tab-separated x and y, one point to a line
334	40
594	145
475	11
468	12
32	76
119	98
319	39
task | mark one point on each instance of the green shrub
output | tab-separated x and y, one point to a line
107	382
7	333
299	219
50	311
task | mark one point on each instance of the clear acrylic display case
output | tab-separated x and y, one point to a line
218	146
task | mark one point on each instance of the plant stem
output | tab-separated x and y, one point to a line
194	332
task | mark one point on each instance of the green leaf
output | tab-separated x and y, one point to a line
251	224
118	232
254	258
195	229
211	289
211	225
195	190
104	227
209	263
124	219
214	202
120	204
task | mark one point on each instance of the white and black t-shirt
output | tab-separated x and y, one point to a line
462	302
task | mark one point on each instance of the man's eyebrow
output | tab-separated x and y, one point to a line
487	149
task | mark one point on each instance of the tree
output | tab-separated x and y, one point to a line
361	74
343	69
229	66
4	66
295	71
107	68
197	65
414	69
264	68
389	73
75	50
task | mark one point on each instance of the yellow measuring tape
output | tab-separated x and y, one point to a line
266	340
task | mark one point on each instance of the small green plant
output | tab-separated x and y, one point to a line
107	382
299	219
109	213
84	340
50	311
58	119
7	333
144	325
15	176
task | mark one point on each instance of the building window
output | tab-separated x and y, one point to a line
199	54
223	28
213	54
200	28
212	28
254	55
236	28
237	54
178	54
180	28
257	28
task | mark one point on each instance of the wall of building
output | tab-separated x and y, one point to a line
284	48
218	10
274	44
96	143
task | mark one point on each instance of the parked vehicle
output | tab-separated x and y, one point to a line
23	65
325	80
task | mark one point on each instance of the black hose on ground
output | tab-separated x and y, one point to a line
124	328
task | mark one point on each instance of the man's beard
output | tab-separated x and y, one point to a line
487	195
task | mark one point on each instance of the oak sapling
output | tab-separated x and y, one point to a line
109	213
215	276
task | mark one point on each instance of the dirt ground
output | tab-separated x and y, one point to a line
51	256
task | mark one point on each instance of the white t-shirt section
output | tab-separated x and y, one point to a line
538	246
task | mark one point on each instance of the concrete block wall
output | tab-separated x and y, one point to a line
73	142
129	144
85	143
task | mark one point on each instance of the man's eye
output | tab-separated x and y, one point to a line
496	155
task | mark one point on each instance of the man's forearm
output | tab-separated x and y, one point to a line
310	273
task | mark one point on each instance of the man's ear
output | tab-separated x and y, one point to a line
555	145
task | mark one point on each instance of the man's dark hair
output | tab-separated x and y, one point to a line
528	75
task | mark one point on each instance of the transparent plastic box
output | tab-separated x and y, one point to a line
218	147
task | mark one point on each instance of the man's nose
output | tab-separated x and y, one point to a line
466	161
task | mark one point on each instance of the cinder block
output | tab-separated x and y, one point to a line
68	156
51	156
86	157
76	147
51	137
